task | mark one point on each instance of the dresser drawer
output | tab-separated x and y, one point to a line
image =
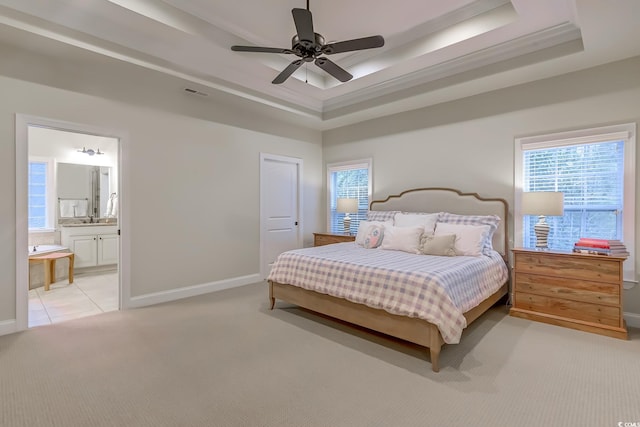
593	313
560	287
592	268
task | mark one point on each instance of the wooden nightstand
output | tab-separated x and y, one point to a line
320	239
573	290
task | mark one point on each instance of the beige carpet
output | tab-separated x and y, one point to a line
224	359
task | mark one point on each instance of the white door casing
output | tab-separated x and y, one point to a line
280	207
22	122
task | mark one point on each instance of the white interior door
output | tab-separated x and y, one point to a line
280	206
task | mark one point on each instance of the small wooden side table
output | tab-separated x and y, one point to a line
49	261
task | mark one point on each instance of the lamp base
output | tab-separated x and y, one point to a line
542	233
347	224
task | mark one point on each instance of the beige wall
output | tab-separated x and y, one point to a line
469	144
193	186
193	163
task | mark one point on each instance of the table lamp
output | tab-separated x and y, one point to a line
347	206
543	204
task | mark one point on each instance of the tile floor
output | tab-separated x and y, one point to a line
89	294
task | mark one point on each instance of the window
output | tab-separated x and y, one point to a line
40	183
348	180
595	170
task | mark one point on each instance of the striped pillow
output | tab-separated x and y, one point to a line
381	215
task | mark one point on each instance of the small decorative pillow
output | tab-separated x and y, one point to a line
405	239
408	219
363	230
374	236
470	239
442	245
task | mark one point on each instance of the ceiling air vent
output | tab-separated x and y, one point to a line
195	92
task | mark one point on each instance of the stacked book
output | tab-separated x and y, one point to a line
587	245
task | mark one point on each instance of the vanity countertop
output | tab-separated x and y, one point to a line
88	224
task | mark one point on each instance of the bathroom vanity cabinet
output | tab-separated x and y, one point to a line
93	245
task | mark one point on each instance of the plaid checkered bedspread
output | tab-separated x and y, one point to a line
436	289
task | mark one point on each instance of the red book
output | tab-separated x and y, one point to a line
592	242
593	245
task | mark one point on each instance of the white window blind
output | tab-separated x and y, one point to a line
348	180
41	213
37	200
591	178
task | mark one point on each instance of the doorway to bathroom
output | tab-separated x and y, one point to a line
71	186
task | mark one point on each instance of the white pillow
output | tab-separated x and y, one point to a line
364	232
426	221
470	239
405	239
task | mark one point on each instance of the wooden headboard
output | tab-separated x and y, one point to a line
437	199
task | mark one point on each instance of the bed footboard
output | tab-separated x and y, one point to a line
417	331
410	329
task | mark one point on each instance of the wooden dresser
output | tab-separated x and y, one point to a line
320	239
573	290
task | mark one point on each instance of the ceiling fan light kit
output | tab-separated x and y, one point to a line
309	46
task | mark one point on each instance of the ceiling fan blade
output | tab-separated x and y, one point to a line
260	49
304	26
333	69
284	75
351	45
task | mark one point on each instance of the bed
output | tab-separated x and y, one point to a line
424	299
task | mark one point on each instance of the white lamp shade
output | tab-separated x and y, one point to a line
347	205
548	203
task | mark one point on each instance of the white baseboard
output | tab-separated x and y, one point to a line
8	327
190	291
632	319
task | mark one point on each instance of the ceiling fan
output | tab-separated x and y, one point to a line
310	46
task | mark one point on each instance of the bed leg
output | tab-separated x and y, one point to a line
271	298
435	356
436	342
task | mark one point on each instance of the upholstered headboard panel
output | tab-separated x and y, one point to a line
450	200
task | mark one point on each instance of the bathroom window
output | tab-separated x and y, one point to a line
40	200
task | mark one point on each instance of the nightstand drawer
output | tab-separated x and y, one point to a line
593	313
560	287
592	268
321	239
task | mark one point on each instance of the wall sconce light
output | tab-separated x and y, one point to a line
90	151
347	206
542	203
